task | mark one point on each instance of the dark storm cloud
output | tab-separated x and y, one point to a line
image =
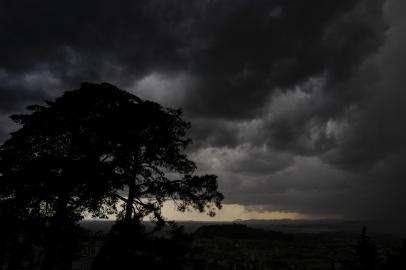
239	48
258	46
377	129
21	89
85	40
266	84
244	160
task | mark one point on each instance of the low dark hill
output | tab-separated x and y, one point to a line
237	231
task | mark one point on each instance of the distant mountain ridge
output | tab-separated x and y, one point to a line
286	225
237	231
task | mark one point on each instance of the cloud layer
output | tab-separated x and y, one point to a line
295	104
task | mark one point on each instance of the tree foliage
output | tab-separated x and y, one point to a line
95	147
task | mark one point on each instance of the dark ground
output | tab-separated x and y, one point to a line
286	244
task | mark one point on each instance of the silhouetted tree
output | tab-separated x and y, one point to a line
396	259
366	255
90	149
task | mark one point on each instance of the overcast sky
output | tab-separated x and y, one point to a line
298	106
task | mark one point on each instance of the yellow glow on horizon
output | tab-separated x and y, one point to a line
232	212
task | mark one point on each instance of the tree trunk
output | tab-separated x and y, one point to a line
54	235
130	200
49	259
